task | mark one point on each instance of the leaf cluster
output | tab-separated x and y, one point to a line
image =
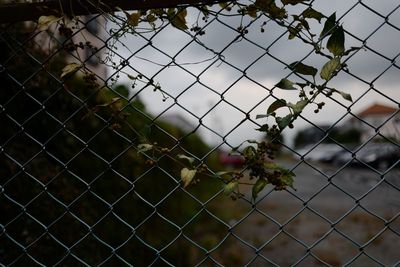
329	43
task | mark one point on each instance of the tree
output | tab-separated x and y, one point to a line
77	179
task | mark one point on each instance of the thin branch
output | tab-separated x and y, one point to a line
15	12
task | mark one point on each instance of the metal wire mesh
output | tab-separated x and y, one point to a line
77	188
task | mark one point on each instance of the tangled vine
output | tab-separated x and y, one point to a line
258	156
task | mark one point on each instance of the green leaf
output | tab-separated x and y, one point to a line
293	2
345	96
303	68
204	10
284	122
305	24
263	128
329	26
293	31
225	5
258	187
312	14
263	4
70	69
279	103
189	159
276	12
286	84
286	175
133	19
251	10
287	178
131	77
171	12
336	42
271	166
330	68
151	18
249	152
144	147
158	11
45	22
269	7
179	20
222	173
187	176
299	106
230	187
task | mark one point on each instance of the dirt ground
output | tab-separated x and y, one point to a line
349	218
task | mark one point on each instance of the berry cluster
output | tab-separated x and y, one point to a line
259	163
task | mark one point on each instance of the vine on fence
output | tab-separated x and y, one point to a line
329	43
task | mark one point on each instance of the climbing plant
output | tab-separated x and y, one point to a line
258	155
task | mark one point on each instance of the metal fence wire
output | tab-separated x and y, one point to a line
102	117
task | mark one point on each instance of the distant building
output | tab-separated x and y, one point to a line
96	34
377	118
92	33
310	135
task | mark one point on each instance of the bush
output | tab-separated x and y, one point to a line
74	186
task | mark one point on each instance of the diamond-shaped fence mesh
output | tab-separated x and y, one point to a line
115	127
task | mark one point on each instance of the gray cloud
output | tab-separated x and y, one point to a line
366	65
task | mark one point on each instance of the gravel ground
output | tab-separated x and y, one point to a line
354	220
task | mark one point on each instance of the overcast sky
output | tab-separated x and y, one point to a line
252	94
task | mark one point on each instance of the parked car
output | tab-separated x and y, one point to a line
377	155
235	161
322	152
331	150
342	157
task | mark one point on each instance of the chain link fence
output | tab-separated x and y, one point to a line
102	116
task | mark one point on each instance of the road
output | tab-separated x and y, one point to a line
347	185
